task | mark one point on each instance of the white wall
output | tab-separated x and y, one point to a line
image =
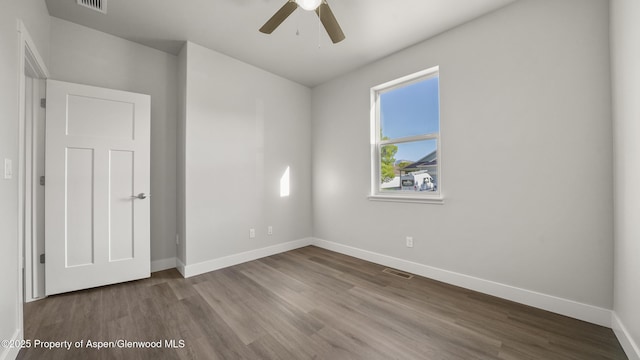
86	56
36	18
526	150
625	29
243	127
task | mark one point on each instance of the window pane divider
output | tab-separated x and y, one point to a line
409	139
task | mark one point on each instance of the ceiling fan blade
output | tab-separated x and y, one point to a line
330	23
279	17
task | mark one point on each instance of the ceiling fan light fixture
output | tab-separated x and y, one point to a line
309	5
321	8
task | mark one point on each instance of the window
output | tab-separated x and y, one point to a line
405	138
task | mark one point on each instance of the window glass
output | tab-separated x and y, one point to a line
406	131
410	110
405	165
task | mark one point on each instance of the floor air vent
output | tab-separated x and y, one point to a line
97	5
398	273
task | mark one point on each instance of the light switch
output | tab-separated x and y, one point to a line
8	169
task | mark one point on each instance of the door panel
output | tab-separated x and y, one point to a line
121	207
100	117
79	240
97	152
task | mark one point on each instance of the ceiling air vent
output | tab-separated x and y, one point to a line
97	5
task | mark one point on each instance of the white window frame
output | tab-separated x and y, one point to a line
377	143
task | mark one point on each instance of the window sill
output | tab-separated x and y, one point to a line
438	200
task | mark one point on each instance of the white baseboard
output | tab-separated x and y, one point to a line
10	353
223	262
574	309
163	264
180	266
630	347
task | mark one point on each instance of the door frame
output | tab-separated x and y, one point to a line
33	166
28	59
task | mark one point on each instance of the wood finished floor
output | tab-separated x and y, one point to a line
308	303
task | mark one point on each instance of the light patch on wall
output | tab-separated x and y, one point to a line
284	183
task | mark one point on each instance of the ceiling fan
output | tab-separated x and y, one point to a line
319	6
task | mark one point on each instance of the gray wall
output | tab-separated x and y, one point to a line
86	56
36	18
526	149
626	109
243	126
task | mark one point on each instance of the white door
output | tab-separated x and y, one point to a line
97	187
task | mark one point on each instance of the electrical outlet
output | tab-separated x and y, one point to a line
270	230
177	239
252	233
410	241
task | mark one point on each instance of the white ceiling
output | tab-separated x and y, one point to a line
373	29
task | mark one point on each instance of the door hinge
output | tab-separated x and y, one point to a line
43	103
41	258
42	180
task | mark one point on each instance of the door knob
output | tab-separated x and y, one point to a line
141	196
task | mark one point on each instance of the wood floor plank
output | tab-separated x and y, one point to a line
283	286
224	341
268	306
344	346
308	303
409	322
231	308
268	348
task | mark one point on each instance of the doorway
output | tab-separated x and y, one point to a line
32	75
